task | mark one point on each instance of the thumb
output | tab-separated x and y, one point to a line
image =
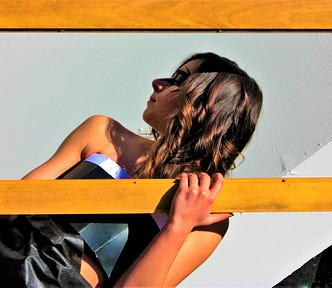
218	217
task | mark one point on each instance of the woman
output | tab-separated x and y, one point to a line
202	118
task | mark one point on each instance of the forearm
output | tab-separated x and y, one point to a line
190	208
152	267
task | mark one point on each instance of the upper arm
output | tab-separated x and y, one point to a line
199	245
87	136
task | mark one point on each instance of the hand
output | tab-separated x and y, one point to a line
193	200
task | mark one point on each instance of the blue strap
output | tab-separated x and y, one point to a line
107	164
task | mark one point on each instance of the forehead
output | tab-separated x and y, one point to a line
191	66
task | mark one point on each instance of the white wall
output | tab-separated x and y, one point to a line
49	83
261	249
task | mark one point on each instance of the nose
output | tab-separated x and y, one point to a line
158	85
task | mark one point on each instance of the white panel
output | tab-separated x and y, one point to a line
51	82
261	249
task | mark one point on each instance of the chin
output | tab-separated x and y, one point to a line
145	117
151	121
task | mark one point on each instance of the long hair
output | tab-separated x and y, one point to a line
217	117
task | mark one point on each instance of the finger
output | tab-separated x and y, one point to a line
218	217
182	187
204	180
204	183
180	192
183	180
216	185
193	183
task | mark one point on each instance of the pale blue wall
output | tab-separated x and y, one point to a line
50	82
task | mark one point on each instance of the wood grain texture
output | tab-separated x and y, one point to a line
147	196
168	15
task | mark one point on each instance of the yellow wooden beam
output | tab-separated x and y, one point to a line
150	195
171	14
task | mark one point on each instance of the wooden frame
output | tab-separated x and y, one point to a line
151	15
239	195
148	196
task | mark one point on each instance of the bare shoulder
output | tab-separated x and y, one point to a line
89	132
87	138
94	132
102	128
98	128
96	121
107	136
104	124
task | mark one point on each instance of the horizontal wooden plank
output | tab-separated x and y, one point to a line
150	195
171	14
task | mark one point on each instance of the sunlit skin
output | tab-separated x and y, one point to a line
163	104
196	194
175	248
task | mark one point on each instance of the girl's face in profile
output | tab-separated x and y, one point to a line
163	103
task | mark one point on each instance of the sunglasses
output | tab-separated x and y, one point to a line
177	80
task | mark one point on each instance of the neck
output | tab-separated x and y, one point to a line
135	154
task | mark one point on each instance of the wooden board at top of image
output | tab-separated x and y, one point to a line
166	15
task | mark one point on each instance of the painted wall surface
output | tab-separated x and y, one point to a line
261	249
51	82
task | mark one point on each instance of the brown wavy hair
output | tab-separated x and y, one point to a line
217	117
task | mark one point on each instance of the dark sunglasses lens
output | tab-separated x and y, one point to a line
167	81
177	80
180	77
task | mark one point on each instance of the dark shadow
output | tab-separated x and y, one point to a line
166	200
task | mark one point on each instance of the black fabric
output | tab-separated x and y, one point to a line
316	273
37	251
142	229
85	170
46	251
323	276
